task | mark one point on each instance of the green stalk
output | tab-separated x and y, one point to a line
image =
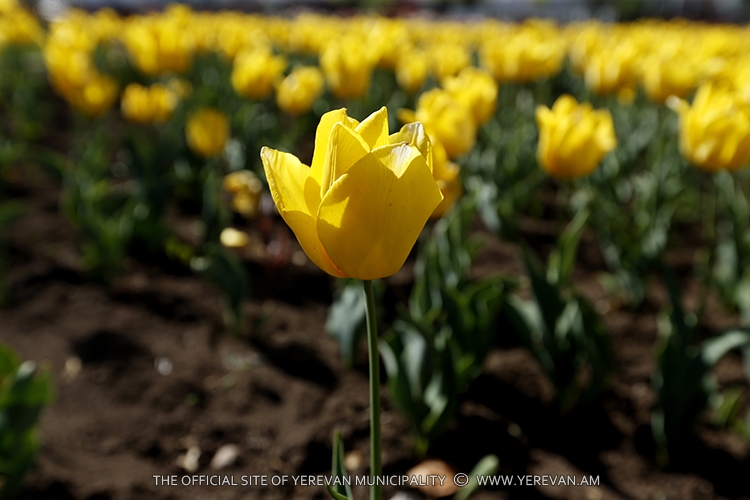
710	239
376	467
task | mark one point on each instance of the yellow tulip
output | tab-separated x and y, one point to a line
246	190
613	70
447	178
573	138
256	72
476	89
450	121
535	51
358	209
412	69
669	73
715	130
347	64
207	131
297	93
96	96
143	105
447	59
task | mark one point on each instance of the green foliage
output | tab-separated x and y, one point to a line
487	466
683	380
24	391
437	348
501	170
647	177
731	271
23	85
560	327
339	490
347	321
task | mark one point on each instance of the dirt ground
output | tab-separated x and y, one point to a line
159	375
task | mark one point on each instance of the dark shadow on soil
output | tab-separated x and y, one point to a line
298	361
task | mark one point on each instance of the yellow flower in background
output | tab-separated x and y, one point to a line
534	51
613	69
347	64
447	59
476	89
670	73
207	132
246	190
573	138
449	121
297	93
412	69
446	175
154	104
360	207
160	43
255	72
234	238
19	26
715	129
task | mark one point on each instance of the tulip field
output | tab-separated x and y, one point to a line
353	256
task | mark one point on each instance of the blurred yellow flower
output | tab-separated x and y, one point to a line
613	69
207	131
450	121
19	26
412	69
359	208
246	190
670	73
161	43
297	93
476	89
573	138
533	51
154	104
447	59
234	238
347	64
256	72
715	129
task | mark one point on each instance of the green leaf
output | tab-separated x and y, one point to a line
562	259
347	321
487	466
340	491
713	349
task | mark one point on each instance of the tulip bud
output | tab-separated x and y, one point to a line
573	138
297	93
207	131
715	129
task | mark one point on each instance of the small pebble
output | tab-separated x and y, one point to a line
163	365
225	456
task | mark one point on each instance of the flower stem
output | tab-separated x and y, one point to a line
376	467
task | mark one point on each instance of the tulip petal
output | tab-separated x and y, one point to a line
345	148
289	184
415	135
371	217
286	177
374	128
304	229
323	136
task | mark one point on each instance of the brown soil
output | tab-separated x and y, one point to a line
280	393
